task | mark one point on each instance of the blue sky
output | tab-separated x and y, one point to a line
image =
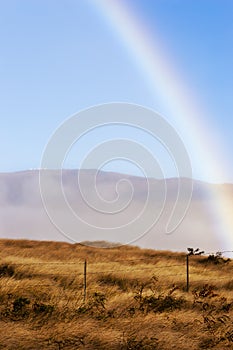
58	57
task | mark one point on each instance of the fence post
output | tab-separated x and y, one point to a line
187	272
85	281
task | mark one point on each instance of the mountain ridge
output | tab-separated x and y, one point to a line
23	214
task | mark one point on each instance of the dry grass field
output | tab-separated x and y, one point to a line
135	298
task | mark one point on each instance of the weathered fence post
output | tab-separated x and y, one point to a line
187	272
191	251
85	281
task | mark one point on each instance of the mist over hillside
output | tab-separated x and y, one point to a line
110	200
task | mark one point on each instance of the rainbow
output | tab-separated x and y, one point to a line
156	65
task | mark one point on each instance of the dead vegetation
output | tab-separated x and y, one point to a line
136	298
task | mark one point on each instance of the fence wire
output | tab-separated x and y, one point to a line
162	272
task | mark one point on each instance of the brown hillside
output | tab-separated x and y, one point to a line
135	298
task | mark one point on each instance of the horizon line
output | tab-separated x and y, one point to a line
115	172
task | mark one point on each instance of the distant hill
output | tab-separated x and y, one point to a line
119	200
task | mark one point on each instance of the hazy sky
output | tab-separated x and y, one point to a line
58	57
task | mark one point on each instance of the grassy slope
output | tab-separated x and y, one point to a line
136	299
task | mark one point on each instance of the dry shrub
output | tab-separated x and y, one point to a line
157	302
215	259
7	270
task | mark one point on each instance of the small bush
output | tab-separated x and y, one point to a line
6	270
207	291
98	301
207	300
95	306
159	303
215	259
20	306
41	308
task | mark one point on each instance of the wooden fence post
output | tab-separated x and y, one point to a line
187	272
85	281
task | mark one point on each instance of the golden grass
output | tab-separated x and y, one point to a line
136	298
